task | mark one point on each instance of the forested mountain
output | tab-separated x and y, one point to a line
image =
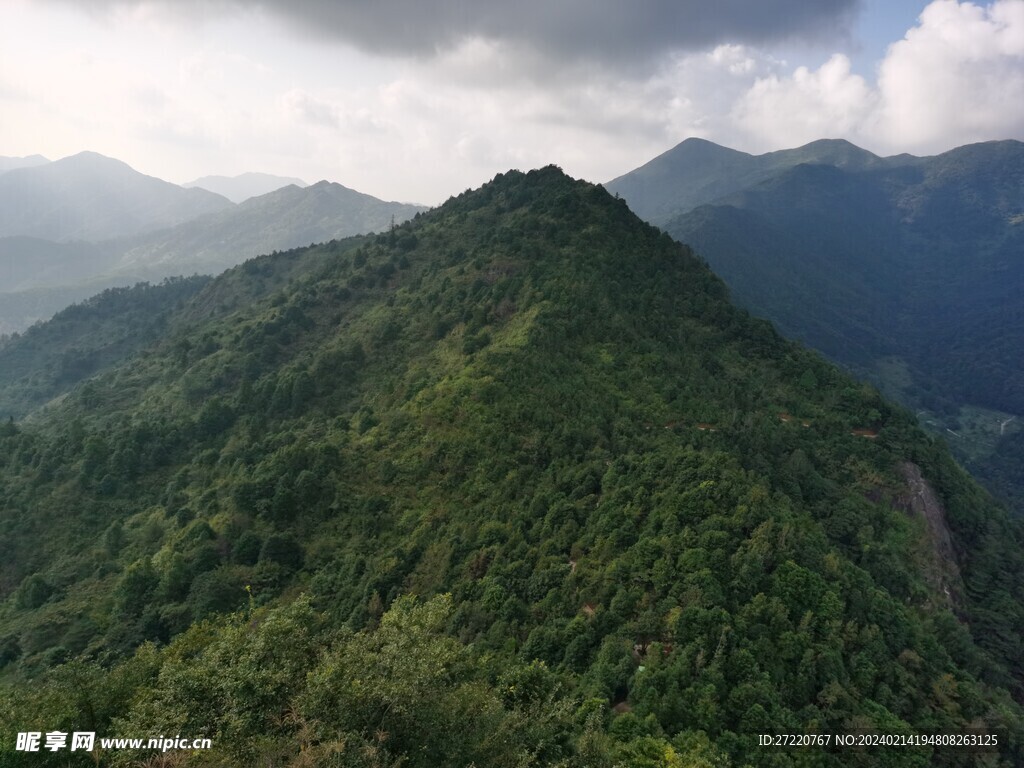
697	171
22	309
91	197
907	270
511	484
240	188
51	358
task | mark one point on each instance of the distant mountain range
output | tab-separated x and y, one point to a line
697	172
73	227
909	270
240	188
91	197
10	163
283	219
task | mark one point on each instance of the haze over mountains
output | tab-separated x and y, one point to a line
278	220
10	163
907	270
240	188
70	228
91	197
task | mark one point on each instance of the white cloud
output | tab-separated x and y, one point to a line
238	94
957	77
807	105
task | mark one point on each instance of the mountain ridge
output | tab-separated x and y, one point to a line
240	188
10	163
657	191
206	243
92	197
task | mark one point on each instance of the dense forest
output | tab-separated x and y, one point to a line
510	484
905	270
50	358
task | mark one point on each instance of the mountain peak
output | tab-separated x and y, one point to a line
88	158
838	152
244	186
696	172
697	148
89	196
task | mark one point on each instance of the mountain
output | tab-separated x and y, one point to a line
510	484
56	274
22	309
51	358
697	171
906	270
279	220
10	163
240	188
91	197
28	262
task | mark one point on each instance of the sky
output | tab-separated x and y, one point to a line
418	100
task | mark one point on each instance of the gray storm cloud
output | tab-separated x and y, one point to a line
611	30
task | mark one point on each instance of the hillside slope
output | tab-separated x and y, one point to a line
662	529
51	358
906	270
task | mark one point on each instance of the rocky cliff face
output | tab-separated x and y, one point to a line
920	501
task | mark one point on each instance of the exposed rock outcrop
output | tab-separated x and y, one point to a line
920	500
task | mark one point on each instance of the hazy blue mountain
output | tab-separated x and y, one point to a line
279	220
28	262
91	197
907	270
698	171
10	163
240	188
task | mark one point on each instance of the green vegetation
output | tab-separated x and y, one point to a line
507	485
905	270
51	358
